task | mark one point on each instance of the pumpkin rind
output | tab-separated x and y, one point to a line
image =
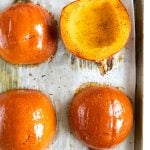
28	34
101	117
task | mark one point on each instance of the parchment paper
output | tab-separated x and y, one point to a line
60	77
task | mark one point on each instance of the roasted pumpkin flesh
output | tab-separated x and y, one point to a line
95	29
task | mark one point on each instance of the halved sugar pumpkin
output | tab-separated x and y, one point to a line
100	117
27	120
95	29
28	34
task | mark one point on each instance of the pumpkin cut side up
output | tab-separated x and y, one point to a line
95	29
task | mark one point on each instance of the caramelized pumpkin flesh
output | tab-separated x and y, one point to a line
95	29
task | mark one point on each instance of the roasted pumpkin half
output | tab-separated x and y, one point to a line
101	117
95	29
28	34
27	120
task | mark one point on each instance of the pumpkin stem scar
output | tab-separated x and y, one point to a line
22	1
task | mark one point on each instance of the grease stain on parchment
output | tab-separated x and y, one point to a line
78	63
8	76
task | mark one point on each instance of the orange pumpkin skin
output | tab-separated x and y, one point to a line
27	120
28	34
101	117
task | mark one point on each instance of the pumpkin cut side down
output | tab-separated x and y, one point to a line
95	29
28	34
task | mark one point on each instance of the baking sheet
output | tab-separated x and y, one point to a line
60	78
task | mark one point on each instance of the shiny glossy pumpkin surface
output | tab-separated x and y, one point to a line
28	34
27	120
101	117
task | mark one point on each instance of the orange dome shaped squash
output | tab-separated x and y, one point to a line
101	117
28	34
95	30
27	120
